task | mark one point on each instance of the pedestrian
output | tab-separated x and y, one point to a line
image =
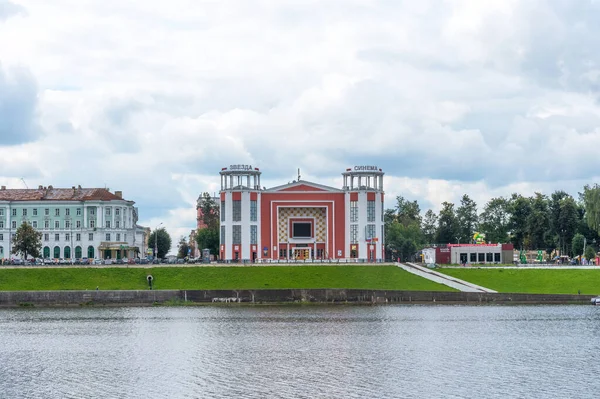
96	288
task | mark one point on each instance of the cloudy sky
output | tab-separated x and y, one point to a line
154	97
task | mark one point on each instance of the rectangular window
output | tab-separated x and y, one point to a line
24	211
117	224
92	223
370	231
237	211
382	212
1	224
68	212
222	211
1	237
12	236
497	257
57	212
118	212
34	211
78	224
107	211
14	212
481	257
282	253
67	224
46	224
92	211
91	237
78	212
353	233
118	236
253	234
1	211
47	211
56	237
67	237
107	236
34	224
222	234
124	236
473	257
14	224
78	237
108	224
56	224
489	256
236	232
46	237
353	211
320	253
253	211
370	211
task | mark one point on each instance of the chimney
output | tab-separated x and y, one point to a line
3	187
119	194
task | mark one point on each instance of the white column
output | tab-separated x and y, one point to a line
228	226
245	205
85	211
362	224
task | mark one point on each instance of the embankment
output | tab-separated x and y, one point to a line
153	297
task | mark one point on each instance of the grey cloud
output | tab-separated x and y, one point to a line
18	107
9	9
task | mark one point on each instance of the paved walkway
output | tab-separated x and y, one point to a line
441	278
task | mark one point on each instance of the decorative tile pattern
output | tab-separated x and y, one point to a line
319	214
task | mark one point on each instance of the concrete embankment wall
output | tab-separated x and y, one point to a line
147	298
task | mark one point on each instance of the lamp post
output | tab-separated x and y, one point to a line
156	241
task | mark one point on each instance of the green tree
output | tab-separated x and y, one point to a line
577	244
494	220
406	240
182	248
466	215
429	226
408	212
519	210
209	208
208	239
27	241
447	224
590	252
567	223
538	223
160	239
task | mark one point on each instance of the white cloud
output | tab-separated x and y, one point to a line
154	97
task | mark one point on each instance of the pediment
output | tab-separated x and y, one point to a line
304	186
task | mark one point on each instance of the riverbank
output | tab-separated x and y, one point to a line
281	296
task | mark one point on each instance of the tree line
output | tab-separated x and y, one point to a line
558	222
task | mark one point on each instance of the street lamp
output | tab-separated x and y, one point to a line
156	241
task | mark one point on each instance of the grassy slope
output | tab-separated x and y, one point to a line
534	281
359	277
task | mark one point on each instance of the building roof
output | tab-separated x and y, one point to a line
58	194
303	185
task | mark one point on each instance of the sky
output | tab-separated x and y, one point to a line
153	98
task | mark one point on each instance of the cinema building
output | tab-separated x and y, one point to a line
301	220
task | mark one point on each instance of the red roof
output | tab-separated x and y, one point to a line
58	194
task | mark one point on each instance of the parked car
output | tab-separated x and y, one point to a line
98	262
144	261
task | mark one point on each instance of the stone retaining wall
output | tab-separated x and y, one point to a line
147	298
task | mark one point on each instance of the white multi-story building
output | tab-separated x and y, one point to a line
75	222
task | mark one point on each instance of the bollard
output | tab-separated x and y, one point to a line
150	278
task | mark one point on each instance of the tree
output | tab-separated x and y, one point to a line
519	209
210	211
590	252
182	248
405	239
466	215
408	211
162	240
566	225
27	241
538	223
429	226
494	220
208	239
577	244
447	224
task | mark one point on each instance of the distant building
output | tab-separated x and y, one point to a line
301	220
75	222
469	253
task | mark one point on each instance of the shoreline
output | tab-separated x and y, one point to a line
17	299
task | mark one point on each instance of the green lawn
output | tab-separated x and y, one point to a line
533	281
199	278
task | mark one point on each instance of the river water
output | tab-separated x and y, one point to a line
301	352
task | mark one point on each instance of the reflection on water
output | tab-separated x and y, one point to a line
301	352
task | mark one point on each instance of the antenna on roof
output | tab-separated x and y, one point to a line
26	186
298	174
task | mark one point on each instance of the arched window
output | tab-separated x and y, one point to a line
46	252
56	252
67	252
91	252
78	252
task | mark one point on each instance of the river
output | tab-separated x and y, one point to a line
407	351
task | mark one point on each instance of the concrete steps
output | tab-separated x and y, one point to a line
437	277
